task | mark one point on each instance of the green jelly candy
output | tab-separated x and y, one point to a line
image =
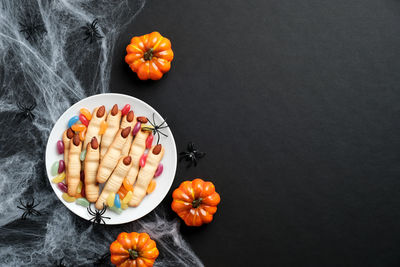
83	155
54	168
115	209
83	202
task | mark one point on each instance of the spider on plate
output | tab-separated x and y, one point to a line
26	111
97	215
92	31
156	129
29	209
191	154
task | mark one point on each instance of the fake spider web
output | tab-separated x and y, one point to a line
51	65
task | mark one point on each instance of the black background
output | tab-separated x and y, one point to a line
296	105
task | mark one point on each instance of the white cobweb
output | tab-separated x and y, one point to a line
54	67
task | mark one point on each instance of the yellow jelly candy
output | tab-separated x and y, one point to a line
128	197
110	200
59	178
79	189
103	127
67	198
124	206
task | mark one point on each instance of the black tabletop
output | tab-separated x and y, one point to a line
296	105
294	102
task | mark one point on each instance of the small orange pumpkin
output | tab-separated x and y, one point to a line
195	202
149	55
133	250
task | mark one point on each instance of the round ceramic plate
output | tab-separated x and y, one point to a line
140	108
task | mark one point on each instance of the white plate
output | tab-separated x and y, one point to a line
140	108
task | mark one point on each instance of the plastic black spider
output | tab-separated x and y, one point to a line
191	154
156	129
32	28
60	263
92	31
98	215
26	111
29	209
103	260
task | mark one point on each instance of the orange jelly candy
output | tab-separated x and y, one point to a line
85	112
103	127
82	135
78	127
127	185
151	186
122	192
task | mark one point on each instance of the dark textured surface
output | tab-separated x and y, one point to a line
296	105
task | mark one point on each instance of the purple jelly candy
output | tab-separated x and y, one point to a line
61	166
136	129
159	170
60	147
63	187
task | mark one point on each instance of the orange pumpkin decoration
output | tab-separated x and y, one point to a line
195	202
149	55
133	250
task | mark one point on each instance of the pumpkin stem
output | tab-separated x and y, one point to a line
197	202
133	254
148	55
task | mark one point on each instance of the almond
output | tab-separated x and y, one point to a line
100	111
142	119
157	149
70	133
127	160
129	116
114	110
76	140
94	143
125	132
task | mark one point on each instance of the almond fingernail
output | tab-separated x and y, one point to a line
157	149
101	111
127	160
142	119
130	116
70	133
125	132
114	110
76	140
94	143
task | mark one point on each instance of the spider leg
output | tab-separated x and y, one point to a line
35	212
98	35
165	120
24	216
191	146
200	154
34	206
162	127
32	106
163	134
194	160
23	205
20	208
